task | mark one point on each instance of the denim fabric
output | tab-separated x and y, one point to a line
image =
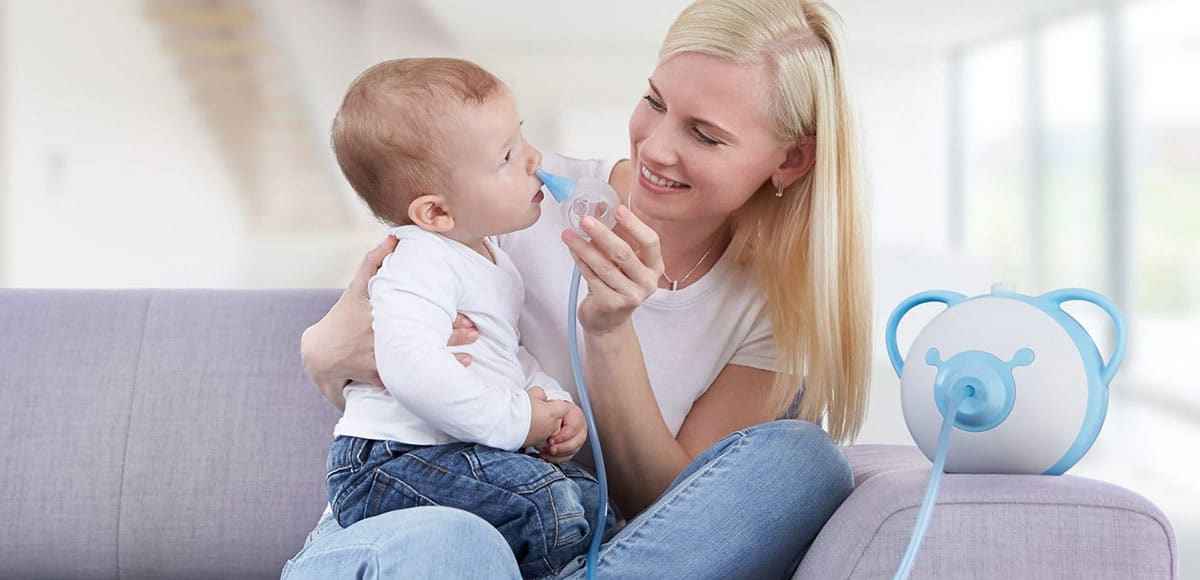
748	507
430	543
543	511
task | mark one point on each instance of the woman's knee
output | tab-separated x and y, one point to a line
804	454
427	542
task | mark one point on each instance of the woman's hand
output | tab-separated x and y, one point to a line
622	267
340	348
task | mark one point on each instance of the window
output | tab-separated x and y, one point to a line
1164	56
1079	165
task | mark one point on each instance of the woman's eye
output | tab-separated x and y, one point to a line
705	139
657	106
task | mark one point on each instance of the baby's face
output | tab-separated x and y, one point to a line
494	187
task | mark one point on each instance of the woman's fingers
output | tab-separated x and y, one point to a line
601	266
632	246
357	289
644	238
462	332
374	259
461	321
628	254
620	274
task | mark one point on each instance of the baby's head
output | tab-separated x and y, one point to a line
436	142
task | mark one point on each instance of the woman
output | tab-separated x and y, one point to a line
738	282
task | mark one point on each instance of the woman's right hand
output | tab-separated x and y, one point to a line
340	348
622	267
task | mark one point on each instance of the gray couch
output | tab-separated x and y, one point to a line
174	434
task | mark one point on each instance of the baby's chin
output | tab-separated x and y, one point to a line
537	214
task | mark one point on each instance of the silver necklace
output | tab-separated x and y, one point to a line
675	283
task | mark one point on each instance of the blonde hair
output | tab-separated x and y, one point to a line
386	134
809	250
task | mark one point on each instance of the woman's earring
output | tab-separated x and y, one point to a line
779	189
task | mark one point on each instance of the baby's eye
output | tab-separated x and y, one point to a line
508	155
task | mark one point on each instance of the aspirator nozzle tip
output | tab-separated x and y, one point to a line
560	187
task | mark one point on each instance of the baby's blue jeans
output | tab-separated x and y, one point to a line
545	512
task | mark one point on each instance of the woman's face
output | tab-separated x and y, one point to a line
701	140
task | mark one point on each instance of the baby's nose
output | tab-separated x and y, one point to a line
535	160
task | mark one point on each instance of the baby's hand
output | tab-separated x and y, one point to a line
546	417
568	440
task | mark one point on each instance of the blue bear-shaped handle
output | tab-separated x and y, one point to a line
944	296
1056	298
1051	302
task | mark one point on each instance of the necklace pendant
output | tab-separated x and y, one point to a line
674	285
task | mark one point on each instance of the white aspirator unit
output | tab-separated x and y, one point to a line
1036	386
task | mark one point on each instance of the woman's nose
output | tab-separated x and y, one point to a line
657	148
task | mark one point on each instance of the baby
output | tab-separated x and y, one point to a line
434	147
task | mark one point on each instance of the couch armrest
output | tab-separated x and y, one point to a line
989	526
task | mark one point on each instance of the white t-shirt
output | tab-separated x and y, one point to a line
430	398
687	336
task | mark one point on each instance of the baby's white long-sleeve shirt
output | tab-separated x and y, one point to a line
430	398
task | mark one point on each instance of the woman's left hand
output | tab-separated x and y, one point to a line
622	267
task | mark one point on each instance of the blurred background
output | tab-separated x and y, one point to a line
1045	143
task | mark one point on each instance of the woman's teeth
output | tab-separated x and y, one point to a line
659	181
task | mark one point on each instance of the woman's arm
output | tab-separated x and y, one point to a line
642	456
340	348
737	399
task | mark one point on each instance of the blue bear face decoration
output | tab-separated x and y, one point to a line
988	381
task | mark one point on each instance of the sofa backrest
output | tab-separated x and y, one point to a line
158	433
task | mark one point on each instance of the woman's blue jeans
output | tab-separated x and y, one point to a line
748	507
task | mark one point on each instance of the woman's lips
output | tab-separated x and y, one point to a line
656	183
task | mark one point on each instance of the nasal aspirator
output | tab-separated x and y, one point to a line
1017	380
580	198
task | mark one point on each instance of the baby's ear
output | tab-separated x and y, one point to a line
429	213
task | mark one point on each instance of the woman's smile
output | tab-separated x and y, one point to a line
655	183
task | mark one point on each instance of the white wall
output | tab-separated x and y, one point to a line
111	178
4	83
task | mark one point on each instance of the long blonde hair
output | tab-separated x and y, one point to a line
809	250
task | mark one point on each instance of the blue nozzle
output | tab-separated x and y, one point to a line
560	187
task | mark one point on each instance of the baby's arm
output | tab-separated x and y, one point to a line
536	377
564	442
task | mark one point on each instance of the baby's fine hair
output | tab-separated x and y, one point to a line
388	133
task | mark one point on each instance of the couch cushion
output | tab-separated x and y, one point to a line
67	367
161	433
989	526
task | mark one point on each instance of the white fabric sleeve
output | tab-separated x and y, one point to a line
536	377
758	350
413	304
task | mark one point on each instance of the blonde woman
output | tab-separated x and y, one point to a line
736	291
